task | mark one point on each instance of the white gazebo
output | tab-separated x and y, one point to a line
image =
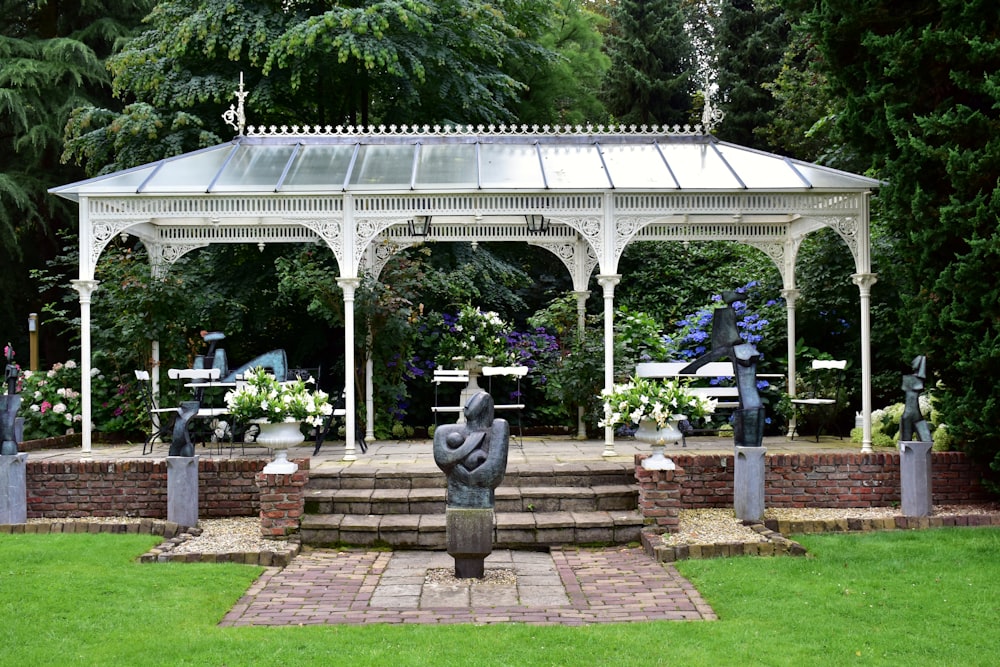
583	193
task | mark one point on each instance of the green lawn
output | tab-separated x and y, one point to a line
917	598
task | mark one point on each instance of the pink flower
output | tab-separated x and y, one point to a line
45	406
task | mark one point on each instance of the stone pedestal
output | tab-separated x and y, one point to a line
182	490
13	489
470	539
915	477
748	483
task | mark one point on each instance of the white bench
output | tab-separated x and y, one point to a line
727	397
444	375
447	376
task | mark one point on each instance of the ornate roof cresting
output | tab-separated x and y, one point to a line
472	130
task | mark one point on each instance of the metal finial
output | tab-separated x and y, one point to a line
710	115
235	116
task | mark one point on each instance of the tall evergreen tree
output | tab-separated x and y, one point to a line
920	85
651	78
52	59
563	89
309	62
751	36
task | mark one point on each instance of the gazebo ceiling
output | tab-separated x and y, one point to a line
453	161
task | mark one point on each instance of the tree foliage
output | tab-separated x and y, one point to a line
308	62
754	34
51	60
653	66
564	89
921	93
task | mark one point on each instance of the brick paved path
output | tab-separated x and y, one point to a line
569	587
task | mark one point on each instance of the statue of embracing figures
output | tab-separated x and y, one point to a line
473	456
9	404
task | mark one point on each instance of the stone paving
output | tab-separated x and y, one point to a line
566	587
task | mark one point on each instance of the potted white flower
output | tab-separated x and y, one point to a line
655	407
279	408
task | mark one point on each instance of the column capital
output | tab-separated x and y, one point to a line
791	296
582	295
349	285
607	279
864	281
85	287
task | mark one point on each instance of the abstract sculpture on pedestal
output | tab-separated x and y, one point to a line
10	402
915	478
748	427
473	456
912	420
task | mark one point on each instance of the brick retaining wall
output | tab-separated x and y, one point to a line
803	480
138	488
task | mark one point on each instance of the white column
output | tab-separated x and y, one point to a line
86	289
369	399
864	281
581	326
791	296
349	285
608	282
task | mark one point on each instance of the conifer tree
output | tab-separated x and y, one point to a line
651	77
52	59
752	36
921	97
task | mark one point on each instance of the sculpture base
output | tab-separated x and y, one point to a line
13	489
915	478
748	483
470	539
182	490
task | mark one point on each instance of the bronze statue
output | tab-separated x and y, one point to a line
912	421
181	443
473	455
748	429
9	405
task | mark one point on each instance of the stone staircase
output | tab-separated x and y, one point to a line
537	506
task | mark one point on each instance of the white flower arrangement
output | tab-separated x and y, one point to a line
641	399
263	397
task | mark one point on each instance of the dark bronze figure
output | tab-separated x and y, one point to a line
911	420
473	455
748	429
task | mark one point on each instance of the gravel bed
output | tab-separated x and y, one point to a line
495	577
218	536
233	535
720	526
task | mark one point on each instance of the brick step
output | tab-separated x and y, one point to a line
429	500
514	530
596	473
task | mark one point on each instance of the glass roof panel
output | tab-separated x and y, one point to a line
318	167
576	166
383	167
510	166
820	177
698	167
636	166
446	166
760	170
117	183
192	172
254	169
